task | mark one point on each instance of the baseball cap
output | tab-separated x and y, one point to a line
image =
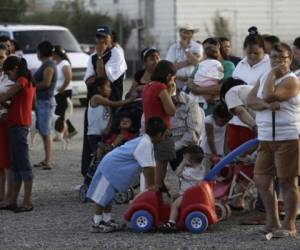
103	31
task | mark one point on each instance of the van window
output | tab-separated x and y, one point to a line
4	33
29	39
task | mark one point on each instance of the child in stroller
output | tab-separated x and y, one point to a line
126	125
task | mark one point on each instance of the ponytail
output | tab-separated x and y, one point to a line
60	51
14	61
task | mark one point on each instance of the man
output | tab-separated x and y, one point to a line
226	45
109	62
185	54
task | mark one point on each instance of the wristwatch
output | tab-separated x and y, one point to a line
187	50
100	57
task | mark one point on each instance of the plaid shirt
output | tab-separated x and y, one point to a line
188	122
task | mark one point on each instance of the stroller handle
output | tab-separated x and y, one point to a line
229	158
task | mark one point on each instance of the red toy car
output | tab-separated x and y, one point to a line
197	211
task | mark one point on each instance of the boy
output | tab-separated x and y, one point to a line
190	173
119	168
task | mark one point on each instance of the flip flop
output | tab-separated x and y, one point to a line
39	165
10	207
47	166
23	209
284	233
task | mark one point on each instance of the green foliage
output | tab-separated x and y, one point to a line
82	23
221	26
12	10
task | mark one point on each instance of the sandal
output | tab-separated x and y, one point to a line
284	233
39	165
47	166
23	209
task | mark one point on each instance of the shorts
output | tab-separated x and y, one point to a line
44	114
101	191
165	150
285	155
21	168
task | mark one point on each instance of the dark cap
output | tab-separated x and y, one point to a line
103	31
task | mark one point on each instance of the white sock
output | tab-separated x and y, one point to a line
106	217
172	221
98	218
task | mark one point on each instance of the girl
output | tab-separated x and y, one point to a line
63	87
99	112
157	102
19	119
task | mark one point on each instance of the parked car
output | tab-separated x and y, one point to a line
29	36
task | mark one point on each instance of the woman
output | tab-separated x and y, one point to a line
150	57
19	118
278	133
250	69
157	102
63	86
45	78
5	83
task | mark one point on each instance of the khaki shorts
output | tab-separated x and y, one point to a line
286	159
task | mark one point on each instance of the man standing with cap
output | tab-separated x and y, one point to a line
109	62
185	54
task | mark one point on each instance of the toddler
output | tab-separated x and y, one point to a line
190	173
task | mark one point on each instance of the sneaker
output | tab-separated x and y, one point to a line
72	134
102	227
168	227
116	226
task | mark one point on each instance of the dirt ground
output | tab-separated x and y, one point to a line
60	221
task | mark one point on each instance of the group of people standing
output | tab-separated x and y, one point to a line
21	94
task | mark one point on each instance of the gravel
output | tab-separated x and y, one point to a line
60	221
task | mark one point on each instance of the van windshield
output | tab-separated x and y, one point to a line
28	40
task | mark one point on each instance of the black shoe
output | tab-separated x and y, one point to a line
23	209
10	207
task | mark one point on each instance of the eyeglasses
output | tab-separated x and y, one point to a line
274	57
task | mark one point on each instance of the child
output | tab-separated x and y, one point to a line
99	112
209	72
213	136
190	172
19	118
119	168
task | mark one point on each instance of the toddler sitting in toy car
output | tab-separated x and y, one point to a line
190	173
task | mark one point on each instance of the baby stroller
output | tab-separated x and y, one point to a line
134	111
237	172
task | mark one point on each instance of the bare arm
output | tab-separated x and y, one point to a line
100	100
67	72
180	168
167	102
259	104
207	90
47	78
242	113
287	89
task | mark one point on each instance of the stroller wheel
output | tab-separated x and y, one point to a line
121	197
220	211
82	193
228	210
130	194
196	222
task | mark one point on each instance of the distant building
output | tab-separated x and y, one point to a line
161	18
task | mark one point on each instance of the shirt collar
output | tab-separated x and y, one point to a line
264	60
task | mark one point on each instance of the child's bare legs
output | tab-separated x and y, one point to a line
174	209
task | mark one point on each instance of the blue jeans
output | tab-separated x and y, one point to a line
44	113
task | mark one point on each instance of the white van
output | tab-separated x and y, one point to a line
29	36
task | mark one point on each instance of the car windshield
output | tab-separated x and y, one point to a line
29	40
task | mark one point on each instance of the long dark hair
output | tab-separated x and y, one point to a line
14	61
162	70
60	51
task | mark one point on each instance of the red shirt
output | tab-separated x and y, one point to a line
152	104
127	137
19	111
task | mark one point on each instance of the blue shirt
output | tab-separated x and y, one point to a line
124	164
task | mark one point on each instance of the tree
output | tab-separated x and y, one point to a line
12	10
221	26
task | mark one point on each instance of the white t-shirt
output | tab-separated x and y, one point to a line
287	119
60	78
219	136
98	119
177	54
190	177
250	75
5	84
